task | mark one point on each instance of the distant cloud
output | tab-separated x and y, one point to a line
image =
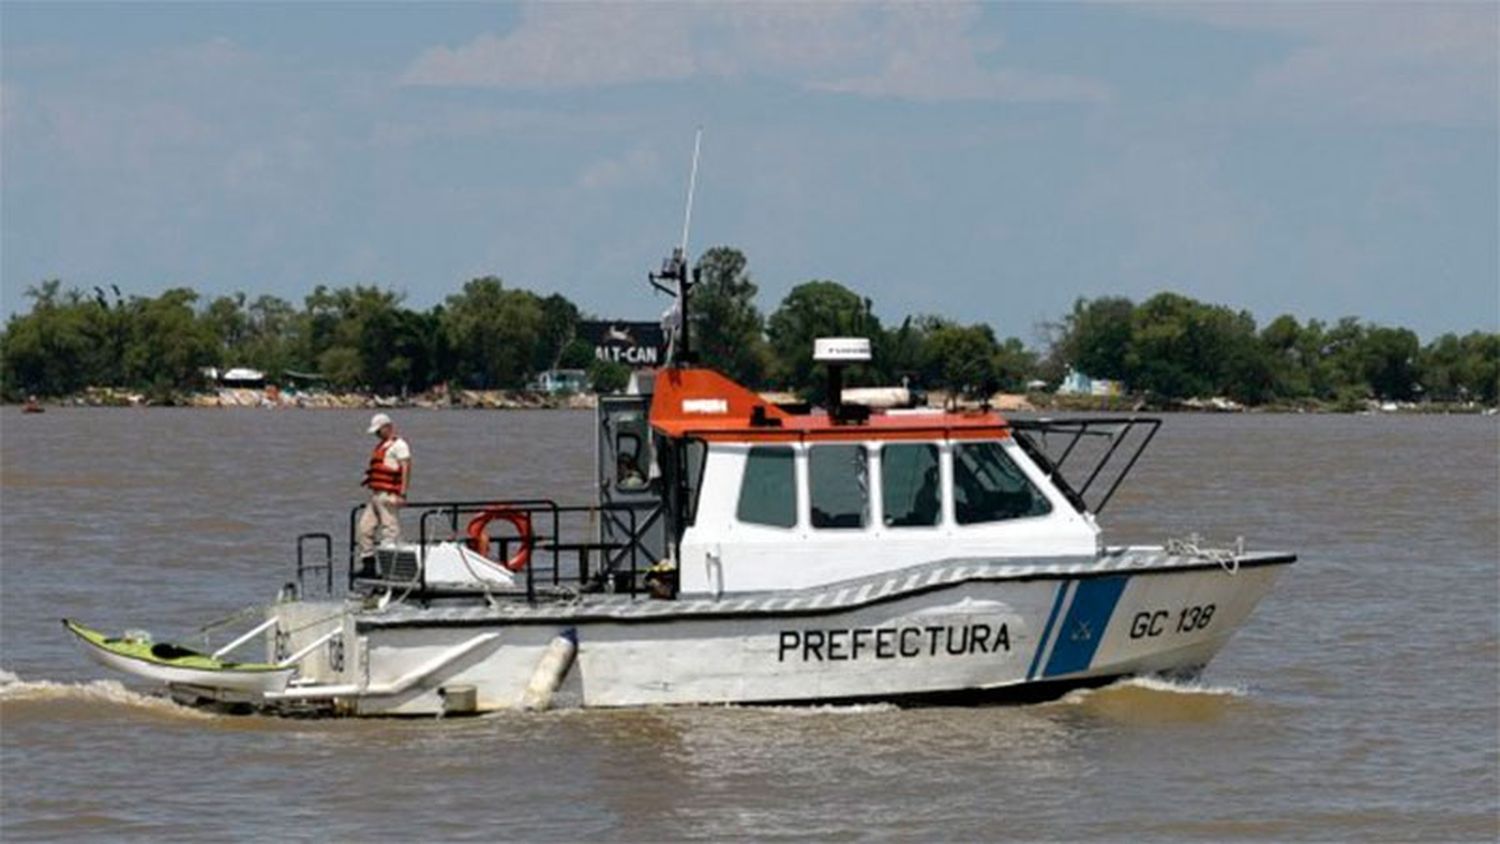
566	46
1385	62
931	53
449	122
637	166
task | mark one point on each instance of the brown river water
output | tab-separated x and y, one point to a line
1361	701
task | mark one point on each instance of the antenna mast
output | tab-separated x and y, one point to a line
673	276
687	217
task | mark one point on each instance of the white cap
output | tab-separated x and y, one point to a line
378	421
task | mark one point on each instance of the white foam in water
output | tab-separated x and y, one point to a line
1157	684
111	692
821	709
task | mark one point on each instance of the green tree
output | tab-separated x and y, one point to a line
577	354
1342	362
1180	347
1441	363
812	310
559	324
1014	365
728	331
340	365
1289	371
1097	335
493	333
958	358
376	343
272	332
898	351
168	344
1464	368
1481	370
48	351
1388	358
227	319
607	376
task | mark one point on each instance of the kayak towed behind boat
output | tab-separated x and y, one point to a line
179	666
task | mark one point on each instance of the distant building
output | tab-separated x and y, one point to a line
1078	384
555	381
239	377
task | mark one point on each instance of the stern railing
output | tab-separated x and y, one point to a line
566	552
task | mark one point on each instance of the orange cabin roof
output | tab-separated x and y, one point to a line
703	403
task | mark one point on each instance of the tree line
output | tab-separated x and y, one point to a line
491	336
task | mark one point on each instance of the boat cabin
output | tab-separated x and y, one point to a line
787	501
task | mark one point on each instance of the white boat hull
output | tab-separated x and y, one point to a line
1014	637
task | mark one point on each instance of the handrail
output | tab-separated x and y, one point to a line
326	566
254	631
311	646
395	687
547	540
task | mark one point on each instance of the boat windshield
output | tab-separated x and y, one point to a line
989	487
839	483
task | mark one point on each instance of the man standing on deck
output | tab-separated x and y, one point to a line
387	476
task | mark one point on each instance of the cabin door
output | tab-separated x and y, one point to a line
629	483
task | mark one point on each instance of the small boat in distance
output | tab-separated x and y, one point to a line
32	406
746	551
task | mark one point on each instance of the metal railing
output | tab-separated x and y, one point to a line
564	547
1115	431
303	567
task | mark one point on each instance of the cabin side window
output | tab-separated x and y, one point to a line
630	461
910	485
768	489
989	487
840	482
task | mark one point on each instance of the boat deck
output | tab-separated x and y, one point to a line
837	597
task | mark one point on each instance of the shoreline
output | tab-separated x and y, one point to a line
241	398
270	399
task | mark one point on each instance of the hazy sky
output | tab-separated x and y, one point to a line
985	162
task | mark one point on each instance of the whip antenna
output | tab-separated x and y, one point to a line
687	218
674	278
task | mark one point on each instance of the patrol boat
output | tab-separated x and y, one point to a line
743	552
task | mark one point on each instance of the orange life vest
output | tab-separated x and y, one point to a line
379	477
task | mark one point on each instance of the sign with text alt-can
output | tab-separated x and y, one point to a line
635	344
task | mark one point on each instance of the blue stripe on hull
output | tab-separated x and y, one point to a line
1041	642
1081	631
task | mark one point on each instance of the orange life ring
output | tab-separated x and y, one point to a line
480	541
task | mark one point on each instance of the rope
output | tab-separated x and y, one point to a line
260	610
227	620
1227	558
484	582
315	622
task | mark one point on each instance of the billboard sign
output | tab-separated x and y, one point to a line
634	344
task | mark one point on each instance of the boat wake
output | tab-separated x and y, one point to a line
822	709
18	695
1155	700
